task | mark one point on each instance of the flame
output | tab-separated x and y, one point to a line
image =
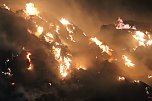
69	27
49	37
104	48
143	39
149	43
30	61
64	62
121	78
31	10
140	37
121	25
39	31
6	7
65	22
128	62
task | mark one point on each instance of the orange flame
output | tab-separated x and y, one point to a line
31	10
128	62
30	61
105	48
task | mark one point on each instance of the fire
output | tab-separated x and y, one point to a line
49	37
128	62
6	7
31	10
143	39
39	31
105	48
57	29
64	62
30	61
8	73
121	25
69	27
65	22
121	78
149	43
140	37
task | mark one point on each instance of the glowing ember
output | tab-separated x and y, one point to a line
12	83
29	59
121	78
8	73
69	27
31	10
104	48
127	61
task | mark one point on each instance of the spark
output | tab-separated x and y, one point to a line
127	61
31	10
8	73
12	83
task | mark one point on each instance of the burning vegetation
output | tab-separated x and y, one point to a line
59	52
